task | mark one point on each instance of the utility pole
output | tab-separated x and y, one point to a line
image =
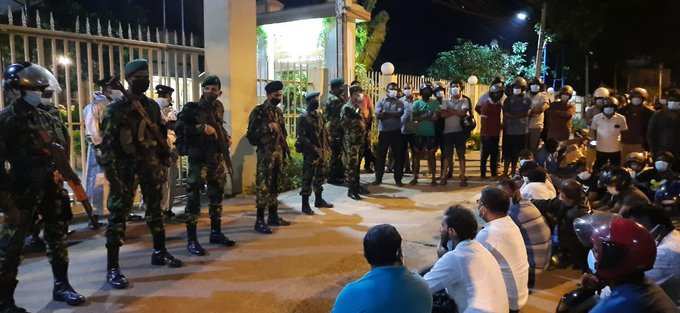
164	25
660	92
541	41
182	10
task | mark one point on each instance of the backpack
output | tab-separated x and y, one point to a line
468	122
181	133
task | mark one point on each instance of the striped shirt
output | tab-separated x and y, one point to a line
535	232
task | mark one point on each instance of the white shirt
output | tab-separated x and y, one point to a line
538	191
94	114
538	101
609	132
503	239
472	278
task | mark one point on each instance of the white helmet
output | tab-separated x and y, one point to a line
601	92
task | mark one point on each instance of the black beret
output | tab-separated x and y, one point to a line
135	66
212	80
273	86
311	95
354	89
164	90
337	83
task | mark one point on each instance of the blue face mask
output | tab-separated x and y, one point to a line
33	97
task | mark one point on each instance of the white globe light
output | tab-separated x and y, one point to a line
473	80
522	16
387	68
551	90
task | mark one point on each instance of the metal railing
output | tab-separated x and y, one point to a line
78	58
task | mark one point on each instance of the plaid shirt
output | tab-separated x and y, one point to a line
535	231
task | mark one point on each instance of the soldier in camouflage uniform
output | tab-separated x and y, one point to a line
267	131
331	113
355	128
31	184
199	123
312	142
130	154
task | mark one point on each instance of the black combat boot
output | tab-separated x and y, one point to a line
63	292
352	193
7	287
192	241
96	224
160	255
319	202
362	190
274	219
260	226
216	235
113	275
306	209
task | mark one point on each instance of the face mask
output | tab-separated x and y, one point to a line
565	98
210	97
275	101
585	175
360	97
162	102
139	86
636	101
661	166
392	93
313	105
535	88
455	91
516	91
116	95
612	190
440	94
32	97
673	105
608	111
46	101
407	92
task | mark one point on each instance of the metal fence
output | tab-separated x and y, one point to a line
80	57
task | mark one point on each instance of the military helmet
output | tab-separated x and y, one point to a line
601	92
520	82
567	89
27	76
641	92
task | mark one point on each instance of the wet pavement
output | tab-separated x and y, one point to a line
300	268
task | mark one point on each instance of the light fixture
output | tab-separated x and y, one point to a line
473	80
387	68
522	16
64	60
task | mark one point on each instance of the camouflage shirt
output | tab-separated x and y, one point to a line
353	123
193	118
25	132
331	111
259	134
125	134
311	132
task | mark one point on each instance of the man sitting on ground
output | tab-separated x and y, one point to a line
389	286
468	272
536	186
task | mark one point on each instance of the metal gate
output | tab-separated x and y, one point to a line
94	50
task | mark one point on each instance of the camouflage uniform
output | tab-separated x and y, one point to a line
205	153
353	142
29	186
312	137
332	110
271	150
131	156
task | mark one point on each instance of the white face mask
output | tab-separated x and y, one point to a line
360	97
32	97
439	94
661	166
392	93
407	92
46	101
636	101
585	175
116	95
673	105
608	111
516	91
162	102
535	88
612	190
455	91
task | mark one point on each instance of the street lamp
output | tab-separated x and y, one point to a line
522	16
473	80
387	68
64	60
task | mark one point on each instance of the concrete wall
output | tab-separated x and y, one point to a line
230	53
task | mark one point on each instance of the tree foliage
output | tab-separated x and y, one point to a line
484	61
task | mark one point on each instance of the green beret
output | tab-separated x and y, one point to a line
105	81
135	66
212	80
310	95
273	86
338	82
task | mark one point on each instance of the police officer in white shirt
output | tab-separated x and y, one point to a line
503	239
605	130
468	272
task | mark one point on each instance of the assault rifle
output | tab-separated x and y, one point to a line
221	139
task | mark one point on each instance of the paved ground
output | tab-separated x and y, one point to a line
300	268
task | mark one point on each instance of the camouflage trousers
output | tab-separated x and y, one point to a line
53	204
124	176
352	160
336	167
269	165
212	171
313	174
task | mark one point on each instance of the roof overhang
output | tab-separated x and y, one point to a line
354	12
